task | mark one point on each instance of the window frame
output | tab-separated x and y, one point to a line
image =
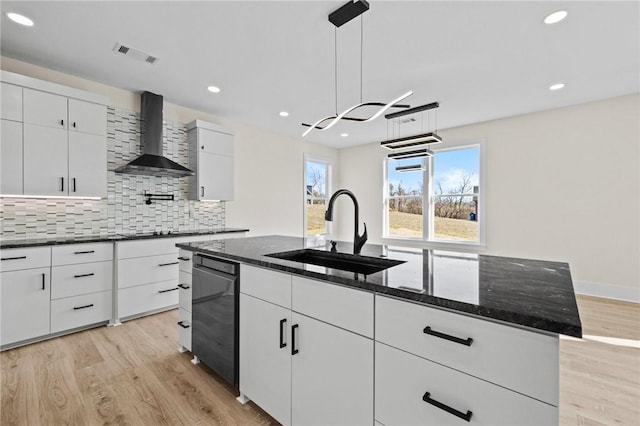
428	204
329	182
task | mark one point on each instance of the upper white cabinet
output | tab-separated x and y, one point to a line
11	108
87	117
11	139
62	139
45	161
211	158
11	157
45	109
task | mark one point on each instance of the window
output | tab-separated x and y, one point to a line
435	199
317	177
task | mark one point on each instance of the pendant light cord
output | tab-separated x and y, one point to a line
361	44
335	62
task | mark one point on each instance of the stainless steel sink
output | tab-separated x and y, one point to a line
346	262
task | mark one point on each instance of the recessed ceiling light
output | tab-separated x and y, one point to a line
284	114
344	135
213	89
555	17
556	86
19	19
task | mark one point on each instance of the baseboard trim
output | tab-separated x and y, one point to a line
607	291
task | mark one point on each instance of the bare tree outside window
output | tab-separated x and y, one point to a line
452	205
316	189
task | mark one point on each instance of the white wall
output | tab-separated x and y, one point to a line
561	185
269	188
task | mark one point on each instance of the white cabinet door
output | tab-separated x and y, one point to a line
24	304
265	356
215	177
11	108
44	109
87	165
87	117
211	142
11	157
332	375
45	160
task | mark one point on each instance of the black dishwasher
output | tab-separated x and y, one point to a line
215	313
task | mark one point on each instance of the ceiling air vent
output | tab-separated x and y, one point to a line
135	53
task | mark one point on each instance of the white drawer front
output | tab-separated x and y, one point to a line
73	280
25	258
145	270
403	379
274	287
184	329
78	311
521	360
344	307
186	260
147	247
81	253
184	282
144	298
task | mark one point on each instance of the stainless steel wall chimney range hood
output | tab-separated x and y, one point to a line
152	162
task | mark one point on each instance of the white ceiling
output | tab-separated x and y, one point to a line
480	60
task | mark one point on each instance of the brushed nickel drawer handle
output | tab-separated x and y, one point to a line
467	342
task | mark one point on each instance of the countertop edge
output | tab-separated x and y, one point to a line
109	239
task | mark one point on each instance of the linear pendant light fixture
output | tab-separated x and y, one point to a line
339	17
411	168
413	141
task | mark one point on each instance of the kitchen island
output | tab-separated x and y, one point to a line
447	336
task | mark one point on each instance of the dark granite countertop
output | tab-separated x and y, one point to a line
523	292
47	241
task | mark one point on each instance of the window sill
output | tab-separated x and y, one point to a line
437	245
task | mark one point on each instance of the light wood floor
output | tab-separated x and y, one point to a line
133	374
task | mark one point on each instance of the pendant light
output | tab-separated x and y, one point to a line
413	141
339	17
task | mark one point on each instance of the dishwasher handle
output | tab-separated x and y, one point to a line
214	264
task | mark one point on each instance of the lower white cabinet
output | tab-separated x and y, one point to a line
265	356
414	391
331	375
24	300
79	311
307	351
299	369
147	298
25	288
